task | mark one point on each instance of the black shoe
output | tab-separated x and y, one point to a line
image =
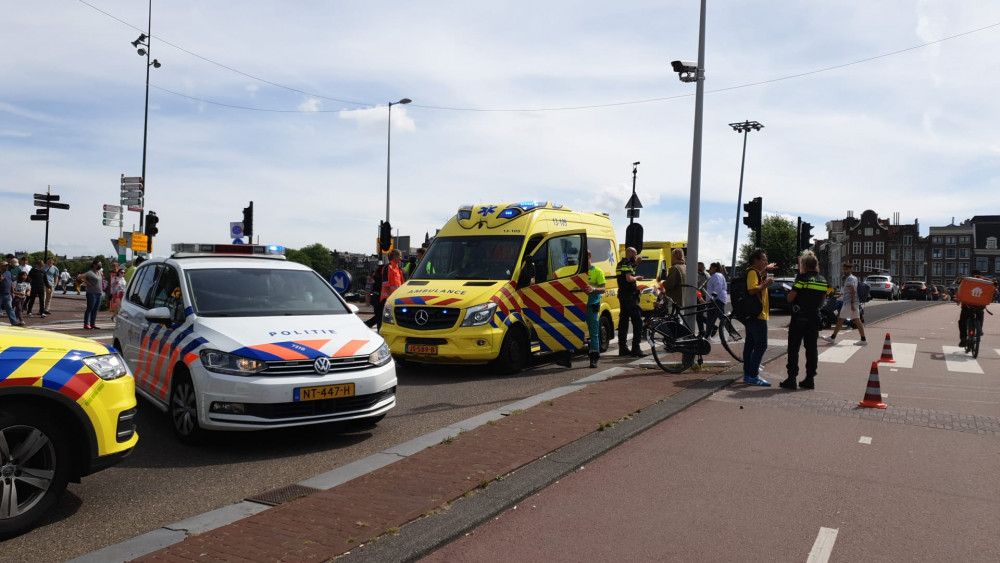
807	383
638	353
623	351
788	384
593	359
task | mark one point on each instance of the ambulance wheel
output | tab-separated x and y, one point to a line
36	464
513	352
606	333
184	409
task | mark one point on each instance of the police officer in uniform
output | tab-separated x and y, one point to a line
628	297
807	297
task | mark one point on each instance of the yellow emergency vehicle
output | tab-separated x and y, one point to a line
503	282
653	269
67	409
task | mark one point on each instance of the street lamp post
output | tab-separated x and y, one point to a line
388	156
744	128
145	39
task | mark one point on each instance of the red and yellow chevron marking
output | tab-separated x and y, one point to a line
80	384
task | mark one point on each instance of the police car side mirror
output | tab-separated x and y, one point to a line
160	315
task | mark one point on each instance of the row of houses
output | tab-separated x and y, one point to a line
877	245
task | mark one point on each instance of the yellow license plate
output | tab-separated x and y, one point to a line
324	392
421	349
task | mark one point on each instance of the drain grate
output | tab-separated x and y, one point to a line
282	495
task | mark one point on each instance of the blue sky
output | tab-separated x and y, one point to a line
512	101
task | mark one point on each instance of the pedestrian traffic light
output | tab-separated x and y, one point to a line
805	233
248	221
385	236
151	221
752	219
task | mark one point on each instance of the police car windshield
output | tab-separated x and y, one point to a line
260	292
492	257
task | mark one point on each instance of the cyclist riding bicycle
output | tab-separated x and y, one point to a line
968	311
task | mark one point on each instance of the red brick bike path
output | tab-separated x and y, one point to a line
328	523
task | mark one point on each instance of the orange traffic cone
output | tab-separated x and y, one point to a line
887	351
873	395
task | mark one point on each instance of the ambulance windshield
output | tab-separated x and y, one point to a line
492	257
647	269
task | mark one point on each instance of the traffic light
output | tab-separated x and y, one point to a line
385	236
248	221
752	219
151	221
805	233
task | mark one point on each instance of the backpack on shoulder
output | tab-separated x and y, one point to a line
864	292
746	307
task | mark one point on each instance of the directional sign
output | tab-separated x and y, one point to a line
131	179
341	281
132	187
109	207
140	242
112	214
131	201
112	222
135	208
237	241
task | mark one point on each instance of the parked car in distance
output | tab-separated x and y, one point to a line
883	286
915	290
777	294
943	294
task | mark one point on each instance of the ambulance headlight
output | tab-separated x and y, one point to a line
479	314
107	366
221	362
381	356
387	317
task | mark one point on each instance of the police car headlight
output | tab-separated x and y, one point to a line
479	314
387	315
221	362
381	356
107	366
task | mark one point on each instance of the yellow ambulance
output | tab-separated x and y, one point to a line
653	269
501	283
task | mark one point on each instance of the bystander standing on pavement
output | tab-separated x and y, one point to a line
594	291
715	289
94	281
851	309
392	280
20	292
628	300
6	297
117	292
700	295
673	286
15	268
39	287
52	278
807	296
756	344
375	299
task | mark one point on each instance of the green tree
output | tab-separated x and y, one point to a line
320	259
298	256
778	238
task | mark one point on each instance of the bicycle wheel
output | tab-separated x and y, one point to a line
732	333
977	335
661	339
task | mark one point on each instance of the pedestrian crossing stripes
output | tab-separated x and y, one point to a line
956	359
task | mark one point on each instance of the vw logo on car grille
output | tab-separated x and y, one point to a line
322	365
421	317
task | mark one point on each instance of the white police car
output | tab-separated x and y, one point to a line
233	337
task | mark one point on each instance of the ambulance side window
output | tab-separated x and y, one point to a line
564	254
141	286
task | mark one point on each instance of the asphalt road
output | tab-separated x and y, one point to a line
164	481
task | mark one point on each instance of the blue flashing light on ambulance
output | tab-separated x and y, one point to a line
501	284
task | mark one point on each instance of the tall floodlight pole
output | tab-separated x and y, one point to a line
145	40
744	128
691	281
388	160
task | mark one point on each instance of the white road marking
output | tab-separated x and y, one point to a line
957	360
823	546
840	352
903	353
866	439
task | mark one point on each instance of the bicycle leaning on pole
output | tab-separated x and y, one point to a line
675	346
